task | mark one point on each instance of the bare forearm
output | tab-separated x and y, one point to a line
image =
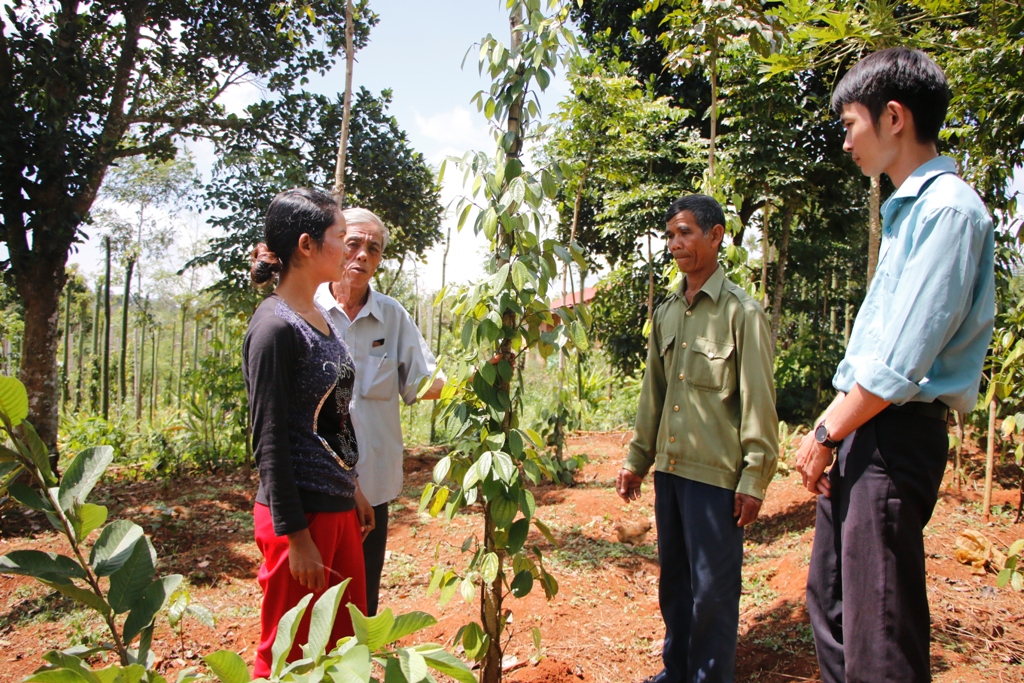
852	411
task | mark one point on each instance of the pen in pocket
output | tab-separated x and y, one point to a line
381	361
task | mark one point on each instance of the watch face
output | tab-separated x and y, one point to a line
821	433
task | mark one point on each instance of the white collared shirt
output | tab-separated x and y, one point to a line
391	359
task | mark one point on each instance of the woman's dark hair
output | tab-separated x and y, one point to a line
291	213
902	75
705	209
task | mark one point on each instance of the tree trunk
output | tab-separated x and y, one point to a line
766	248
990	451
780	274
350	56
154	378
440	328
713	71
181	351
874	224
650	281
122	390
66	368
81	355
105	380
140	364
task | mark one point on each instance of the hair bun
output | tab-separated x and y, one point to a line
265	264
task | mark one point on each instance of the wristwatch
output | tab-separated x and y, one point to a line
821	436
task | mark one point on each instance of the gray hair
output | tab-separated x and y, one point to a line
360	216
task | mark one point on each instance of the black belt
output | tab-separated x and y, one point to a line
936	409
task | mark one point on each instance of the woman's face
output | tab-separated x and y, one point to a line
330	258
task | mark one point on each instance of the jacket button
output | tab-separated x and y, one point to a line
675	408
684	345
689	313
671	469
672	439
673	462
680	375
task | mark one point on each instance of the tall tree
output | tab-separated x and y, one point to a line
85	84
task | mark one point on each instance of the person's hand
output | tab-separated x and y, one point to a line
745	508
812	459
627	485
364	511
304	561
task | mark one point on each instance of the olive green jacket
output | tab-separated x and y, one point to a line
707	404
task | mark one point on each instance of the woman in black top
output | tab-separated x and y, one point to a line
310	516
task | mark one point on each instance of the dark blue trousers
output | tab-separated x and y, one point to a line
866	584
375	547
700	550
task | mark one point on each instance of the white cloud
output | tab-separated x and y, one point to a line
451	133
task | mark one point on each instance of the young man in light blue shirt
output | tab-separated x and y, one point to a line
916	351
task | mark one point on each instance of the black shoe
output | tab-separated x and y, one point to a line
658	678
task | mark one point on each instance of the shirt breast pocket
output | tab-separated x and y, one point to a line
708	364
379	379
666	351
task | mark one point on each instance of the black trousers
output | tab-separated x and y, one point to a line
866	584
700	550
374	548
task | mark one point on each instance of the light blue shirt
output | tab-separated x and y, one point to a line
926	323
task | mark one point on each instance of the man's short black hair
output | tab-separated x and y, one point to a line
705	209
902	75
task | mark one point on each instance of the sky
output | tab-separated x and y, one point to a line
417	50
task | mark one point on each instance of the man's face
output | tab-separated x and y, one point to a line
693	251
364	246
871	147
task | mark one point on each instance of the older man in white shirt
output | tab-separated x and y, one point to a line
392	360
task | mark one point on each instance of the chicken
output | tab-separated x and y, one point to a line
632	533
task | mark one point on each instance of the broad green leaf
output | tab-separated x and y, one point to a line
522	584
86	597
442	468
149	603
28	496
83	473
515	443
474	641
228	666
488	372
503	467
34	448
532	471
548	182
1017	582
13	399
520	274
57	676
535	437
503	511
467	588
114	546
354	667
439	501
413	666
448	664
579	335
1009	425
91	517
517	534
428	492
372	631
129	582
550	584
286	630
528	504
1015	548
44	566
202	615
489	222
406	624
322	620
472	477
543	528
448	588
489	567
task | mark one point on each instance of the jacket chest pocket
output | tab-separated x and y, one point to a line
709	364
667	351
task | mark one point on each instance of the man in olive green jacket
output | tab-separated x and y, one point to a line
707	423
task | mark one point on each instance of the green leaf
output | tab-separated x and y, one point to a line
413	666
321	620
406	624
354	667
467	588
543	528
86	597
57	676
489	223
28	496
13	399
202	615
114	546
34	448
503	468
489	567
91	517
372	631
149	603
1017	581
129	582
547	181
488	372
44	566
286	630
83	473
1015	548
474	641
439	501
442	468
503	511
428	493
578	333
550	584
448	664
517	534
522	584
227	666
527	503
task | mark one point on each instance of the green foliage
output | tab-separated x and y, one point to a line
1011	573
122	555
352	658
